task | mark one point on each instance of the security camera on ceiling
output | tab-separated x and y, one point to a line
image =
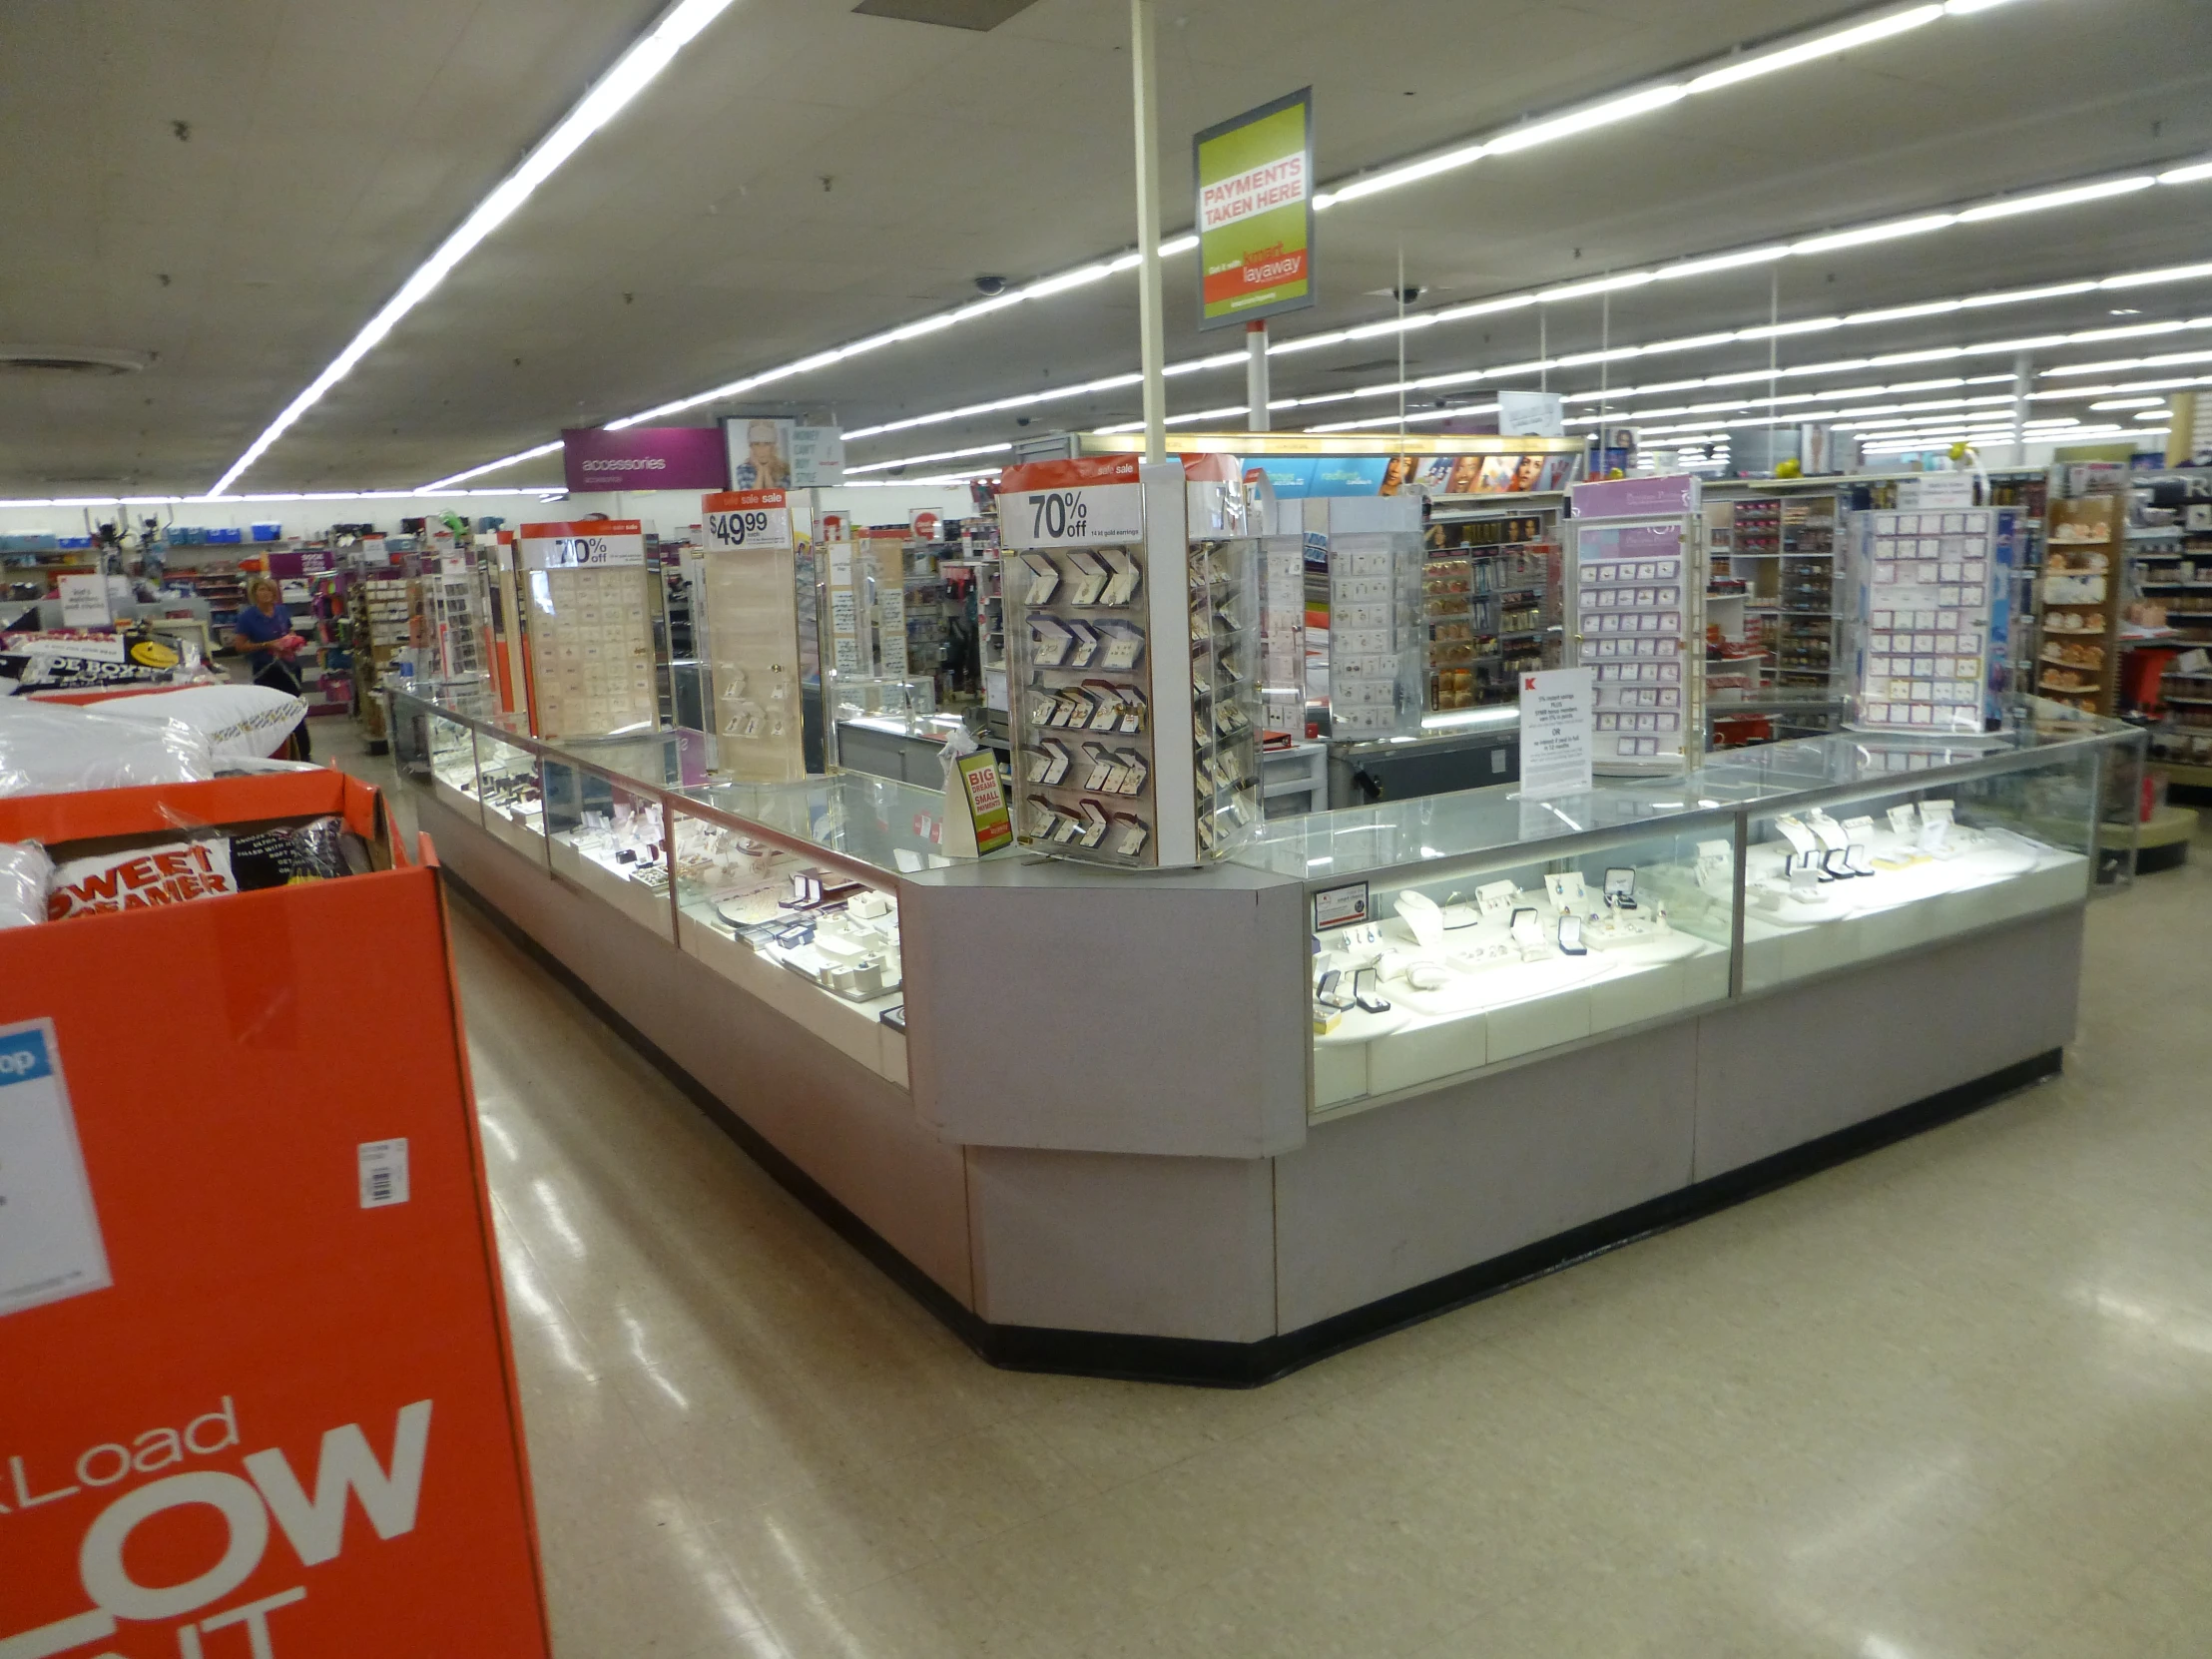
991	285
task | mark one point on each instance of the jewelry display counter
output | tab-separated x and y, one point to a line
1205	1124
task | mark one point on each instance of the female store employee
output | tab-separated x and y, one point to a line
263	632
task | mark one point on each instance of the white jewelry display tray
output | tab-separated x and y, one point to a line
1503	1010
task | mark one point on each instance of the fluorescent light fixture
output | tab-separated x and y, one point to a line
2165	359
2016	297
1723	262
1595	285
1450	161
1899	314
1583	121
2171	274
1820	46
1919	224
2192	174
609	94
2156	414
517	457
1873	29
2130	404
2008	206
1804	325
940	455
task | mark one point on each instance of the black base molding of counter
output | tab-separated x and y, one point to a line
1215	1365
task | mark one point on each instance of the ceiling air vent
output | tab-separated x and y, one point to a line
72	359
950	14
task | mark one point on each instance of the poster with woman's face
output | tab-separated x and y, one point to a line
760	454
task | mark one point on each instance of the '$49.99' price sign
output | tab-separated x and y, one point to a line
741	519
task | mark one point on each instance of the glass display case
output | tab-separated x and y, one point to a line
511	790
1461	933
788	889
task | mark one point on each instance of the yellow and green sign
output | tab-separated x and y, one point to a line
994	824
1256	213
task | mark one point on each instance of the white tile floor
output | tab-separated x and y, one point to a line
1951	1401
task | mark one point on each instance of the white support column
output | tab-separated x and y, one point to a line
1147	230
1256	376
2023	383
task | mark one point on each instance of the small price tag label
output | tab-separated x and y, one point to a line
383	1171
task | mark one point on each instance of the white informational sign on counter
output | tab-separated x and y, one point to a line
845	610
84	601
1557	710
1935	490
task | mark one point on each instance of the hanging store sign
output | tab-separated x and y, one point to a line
1531	415
645	458
767	453
1256	213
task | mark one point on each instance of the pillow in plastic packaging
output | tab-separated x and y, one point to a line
289	854
174	872
25	871
53	749
248	722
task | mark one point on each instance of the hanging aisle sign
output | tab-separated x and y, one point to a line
1256	213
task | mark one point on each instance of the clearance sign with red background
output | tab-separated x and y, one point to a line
1256	213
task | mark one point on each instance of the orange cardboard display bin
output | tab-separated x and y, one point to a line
256	1399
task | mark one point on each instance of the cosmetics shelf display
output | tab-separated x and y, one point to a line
1490	601
1777	552
1132	601
2079	596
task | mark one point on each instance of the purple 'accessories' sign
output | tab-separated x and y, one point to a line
1636	497
645	458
